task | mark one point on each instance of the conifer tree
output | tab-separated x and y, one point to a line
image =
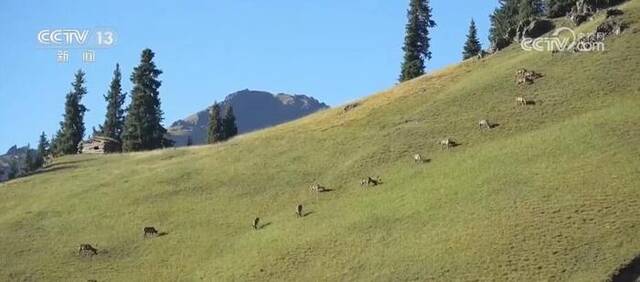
29	161
114	119
507	16
216	129
416	41
558	8
54	149
529	9
472	46
142	127
72	127
229	126
43	150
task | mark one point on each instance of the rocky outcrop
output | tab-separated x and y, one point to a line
610	27
14	154
253	110
533	29
614	13
582	12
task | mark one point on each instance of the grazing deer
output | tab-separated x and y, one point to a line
369	181
150	232
484	124
318	188
299	210
418	158
87	248
447	143
521	101
524	76
255	223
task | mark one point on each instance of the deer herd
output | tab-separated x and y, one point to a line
523	76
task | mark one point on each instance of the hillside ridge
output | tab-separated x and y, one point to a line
549	194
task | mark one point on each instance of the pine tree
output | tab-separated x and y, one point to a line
229	126
416	41
216	130
29	161
503	23
43	150
529	9
142	127
558	8
506	18
472	47
72	127
114	119
55	149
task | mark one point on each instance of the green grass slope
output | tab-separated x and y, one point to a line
552	193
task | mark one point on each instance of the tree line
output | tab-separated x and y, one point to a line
138	127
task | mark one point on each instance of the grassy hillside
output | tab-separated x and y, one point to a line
552	193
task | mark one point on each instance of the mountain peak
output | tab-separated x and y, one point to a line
254	110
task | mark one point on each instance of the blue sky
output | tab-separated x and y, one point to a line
334	50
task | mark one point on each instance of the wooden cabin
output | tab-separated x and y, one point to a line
99	145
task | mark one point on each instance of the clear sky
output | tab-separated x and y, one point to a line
334	50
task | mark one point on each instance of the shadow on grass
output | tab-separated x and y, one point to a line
264	225
453	145
163	234
69	162
54	168
628	273
47	170
494	125
307	213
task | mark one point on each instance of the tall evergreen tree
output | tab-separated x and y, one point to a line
29	161
507	16
114	119
229	126
72	127
216	129
472	47
142	127
558	8
54	148
416	41
504	20
43	150
528	9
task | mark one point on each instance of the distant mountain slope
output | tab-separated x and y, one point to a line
14	153
254	110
